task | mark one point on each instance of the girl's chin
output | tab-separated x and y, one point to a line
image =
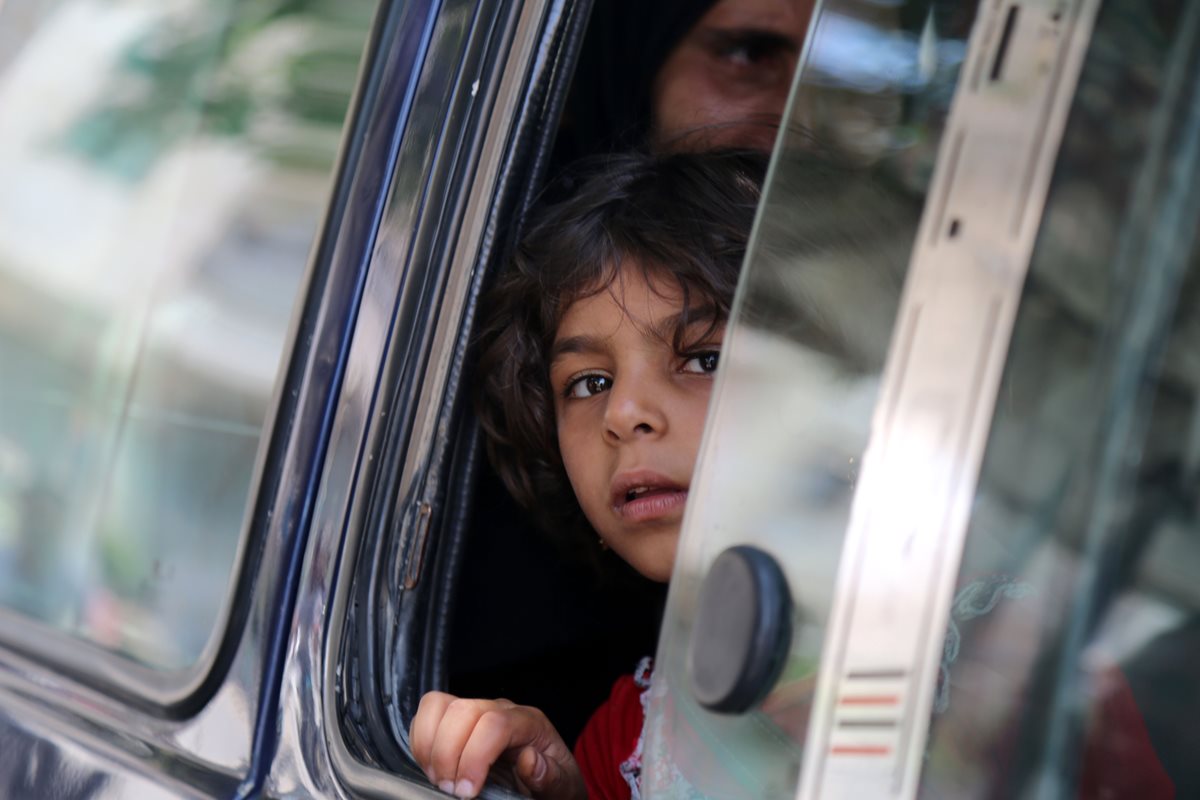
659	576
654	555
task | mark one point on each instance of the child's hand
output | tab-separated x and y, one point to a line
456	742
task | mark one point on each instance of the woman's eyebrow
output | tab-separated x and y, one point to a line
764	38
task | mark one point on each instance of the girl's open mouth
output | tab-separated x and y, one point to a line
643	496
654	504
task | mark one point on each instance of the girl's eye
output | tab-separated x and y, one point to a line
588	386
702	363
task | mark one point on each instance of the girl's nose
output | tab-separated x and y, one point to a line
635	408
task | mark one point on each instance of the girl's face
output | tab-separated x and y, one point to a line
725	84
630	411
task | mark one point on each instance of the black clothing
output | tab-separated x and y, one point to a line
627	42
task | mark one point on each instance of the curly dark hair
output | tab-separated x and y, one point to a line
684	218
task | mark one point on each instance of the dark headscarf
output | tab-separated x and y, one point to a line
627	42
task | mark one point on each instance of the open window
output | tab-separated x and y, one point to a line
443	563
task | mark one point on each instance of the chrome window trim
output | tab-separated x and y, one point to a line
434	409
313	755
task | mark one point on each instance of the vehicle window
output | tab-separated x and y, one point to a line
1063	661
708	75
801	372
163	168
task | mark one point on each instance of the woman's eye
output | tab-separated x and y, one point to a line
588	386
702	363
743	55
753	49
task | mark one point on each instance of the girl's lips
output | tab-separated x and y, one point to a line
652	505
641	495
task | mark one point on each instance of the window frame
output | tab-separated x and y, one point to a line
393	480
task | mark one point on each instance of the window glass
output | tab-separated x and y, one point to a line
163	169
1067	660
801	370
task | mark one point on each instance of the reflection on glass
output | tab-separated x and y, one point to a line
1068	667
163	167
801	368
1068	660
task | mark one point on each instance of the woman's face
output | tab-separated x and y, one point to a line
726	83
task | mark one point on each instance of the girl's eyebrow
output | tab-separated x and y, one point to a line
575	344
663	329
666	327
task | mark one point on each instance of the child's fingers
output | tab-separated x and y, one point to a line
423	730
457	741
550	772
457	727
539	758
497	731
533	769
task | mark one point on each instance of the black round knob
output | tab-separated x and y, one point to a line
743	631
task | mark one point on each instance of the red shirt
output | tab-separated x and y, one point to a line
609	750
